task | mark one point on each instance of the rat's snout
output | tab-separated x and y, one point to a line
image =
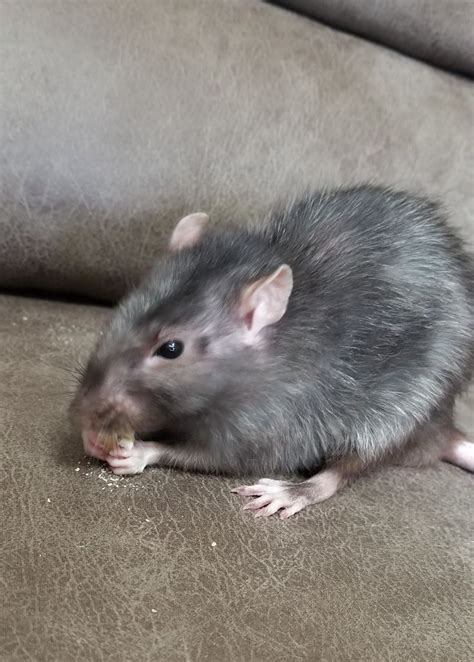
105	416
105	407
110	409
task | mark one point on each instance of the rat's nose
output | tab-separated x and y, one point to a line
111	409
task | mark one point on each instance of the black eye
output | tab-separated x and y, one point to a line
170	350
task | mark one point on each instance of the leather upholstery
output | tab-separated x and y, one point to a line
118	118
438	31
99	569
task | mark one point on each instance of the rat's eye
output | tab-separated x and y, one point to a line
170	350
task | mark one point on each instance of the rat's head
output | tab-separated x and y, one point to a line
199	324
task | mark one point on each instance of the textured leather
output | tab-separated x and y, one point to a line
116	119
438	31
119	117
165	566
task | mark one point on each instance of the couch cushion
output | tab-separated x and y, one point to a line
117	118
438	31
165	566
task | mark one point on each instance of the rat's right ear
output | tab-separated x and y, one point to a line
264	302
188	231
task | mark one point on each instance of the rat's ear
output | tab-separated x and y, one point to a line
188	231
264	302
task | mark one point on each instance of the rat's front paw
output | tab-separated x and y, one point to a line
92	446
128	458
132	457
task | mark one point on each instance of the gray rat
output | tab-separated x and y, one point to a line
330	338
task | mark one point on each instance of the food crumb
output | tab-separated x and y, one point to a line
48	500
153	611
77	469
213	543
147	520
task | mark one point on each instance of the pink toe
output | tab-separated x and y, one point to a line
117	461
118	452
119	471
258	503
248	490
290	511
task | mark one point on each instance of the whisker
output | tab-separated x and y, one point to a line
58	394
76	371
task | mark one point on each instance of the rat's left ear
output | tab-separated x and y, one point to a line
264	302
188	231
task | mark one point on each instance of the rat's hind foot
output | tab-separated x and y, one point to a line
289	498
460	451
130	458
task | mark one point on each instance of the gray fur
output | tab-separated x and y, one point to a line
376	342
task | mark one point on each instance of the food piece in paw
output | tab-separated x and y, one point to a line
110	440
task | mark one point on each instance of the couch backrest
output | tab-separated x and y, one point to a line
118	118
438	31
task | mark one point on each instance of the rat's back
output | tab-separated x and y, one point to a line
383	299
370	250
357	230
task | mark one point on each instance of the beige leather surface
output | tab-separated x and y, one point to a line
118	117
438	31
165	567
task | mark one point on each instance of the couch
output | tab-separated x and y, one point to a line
116	119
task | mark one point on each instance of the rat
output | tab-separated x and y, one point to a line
326	340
